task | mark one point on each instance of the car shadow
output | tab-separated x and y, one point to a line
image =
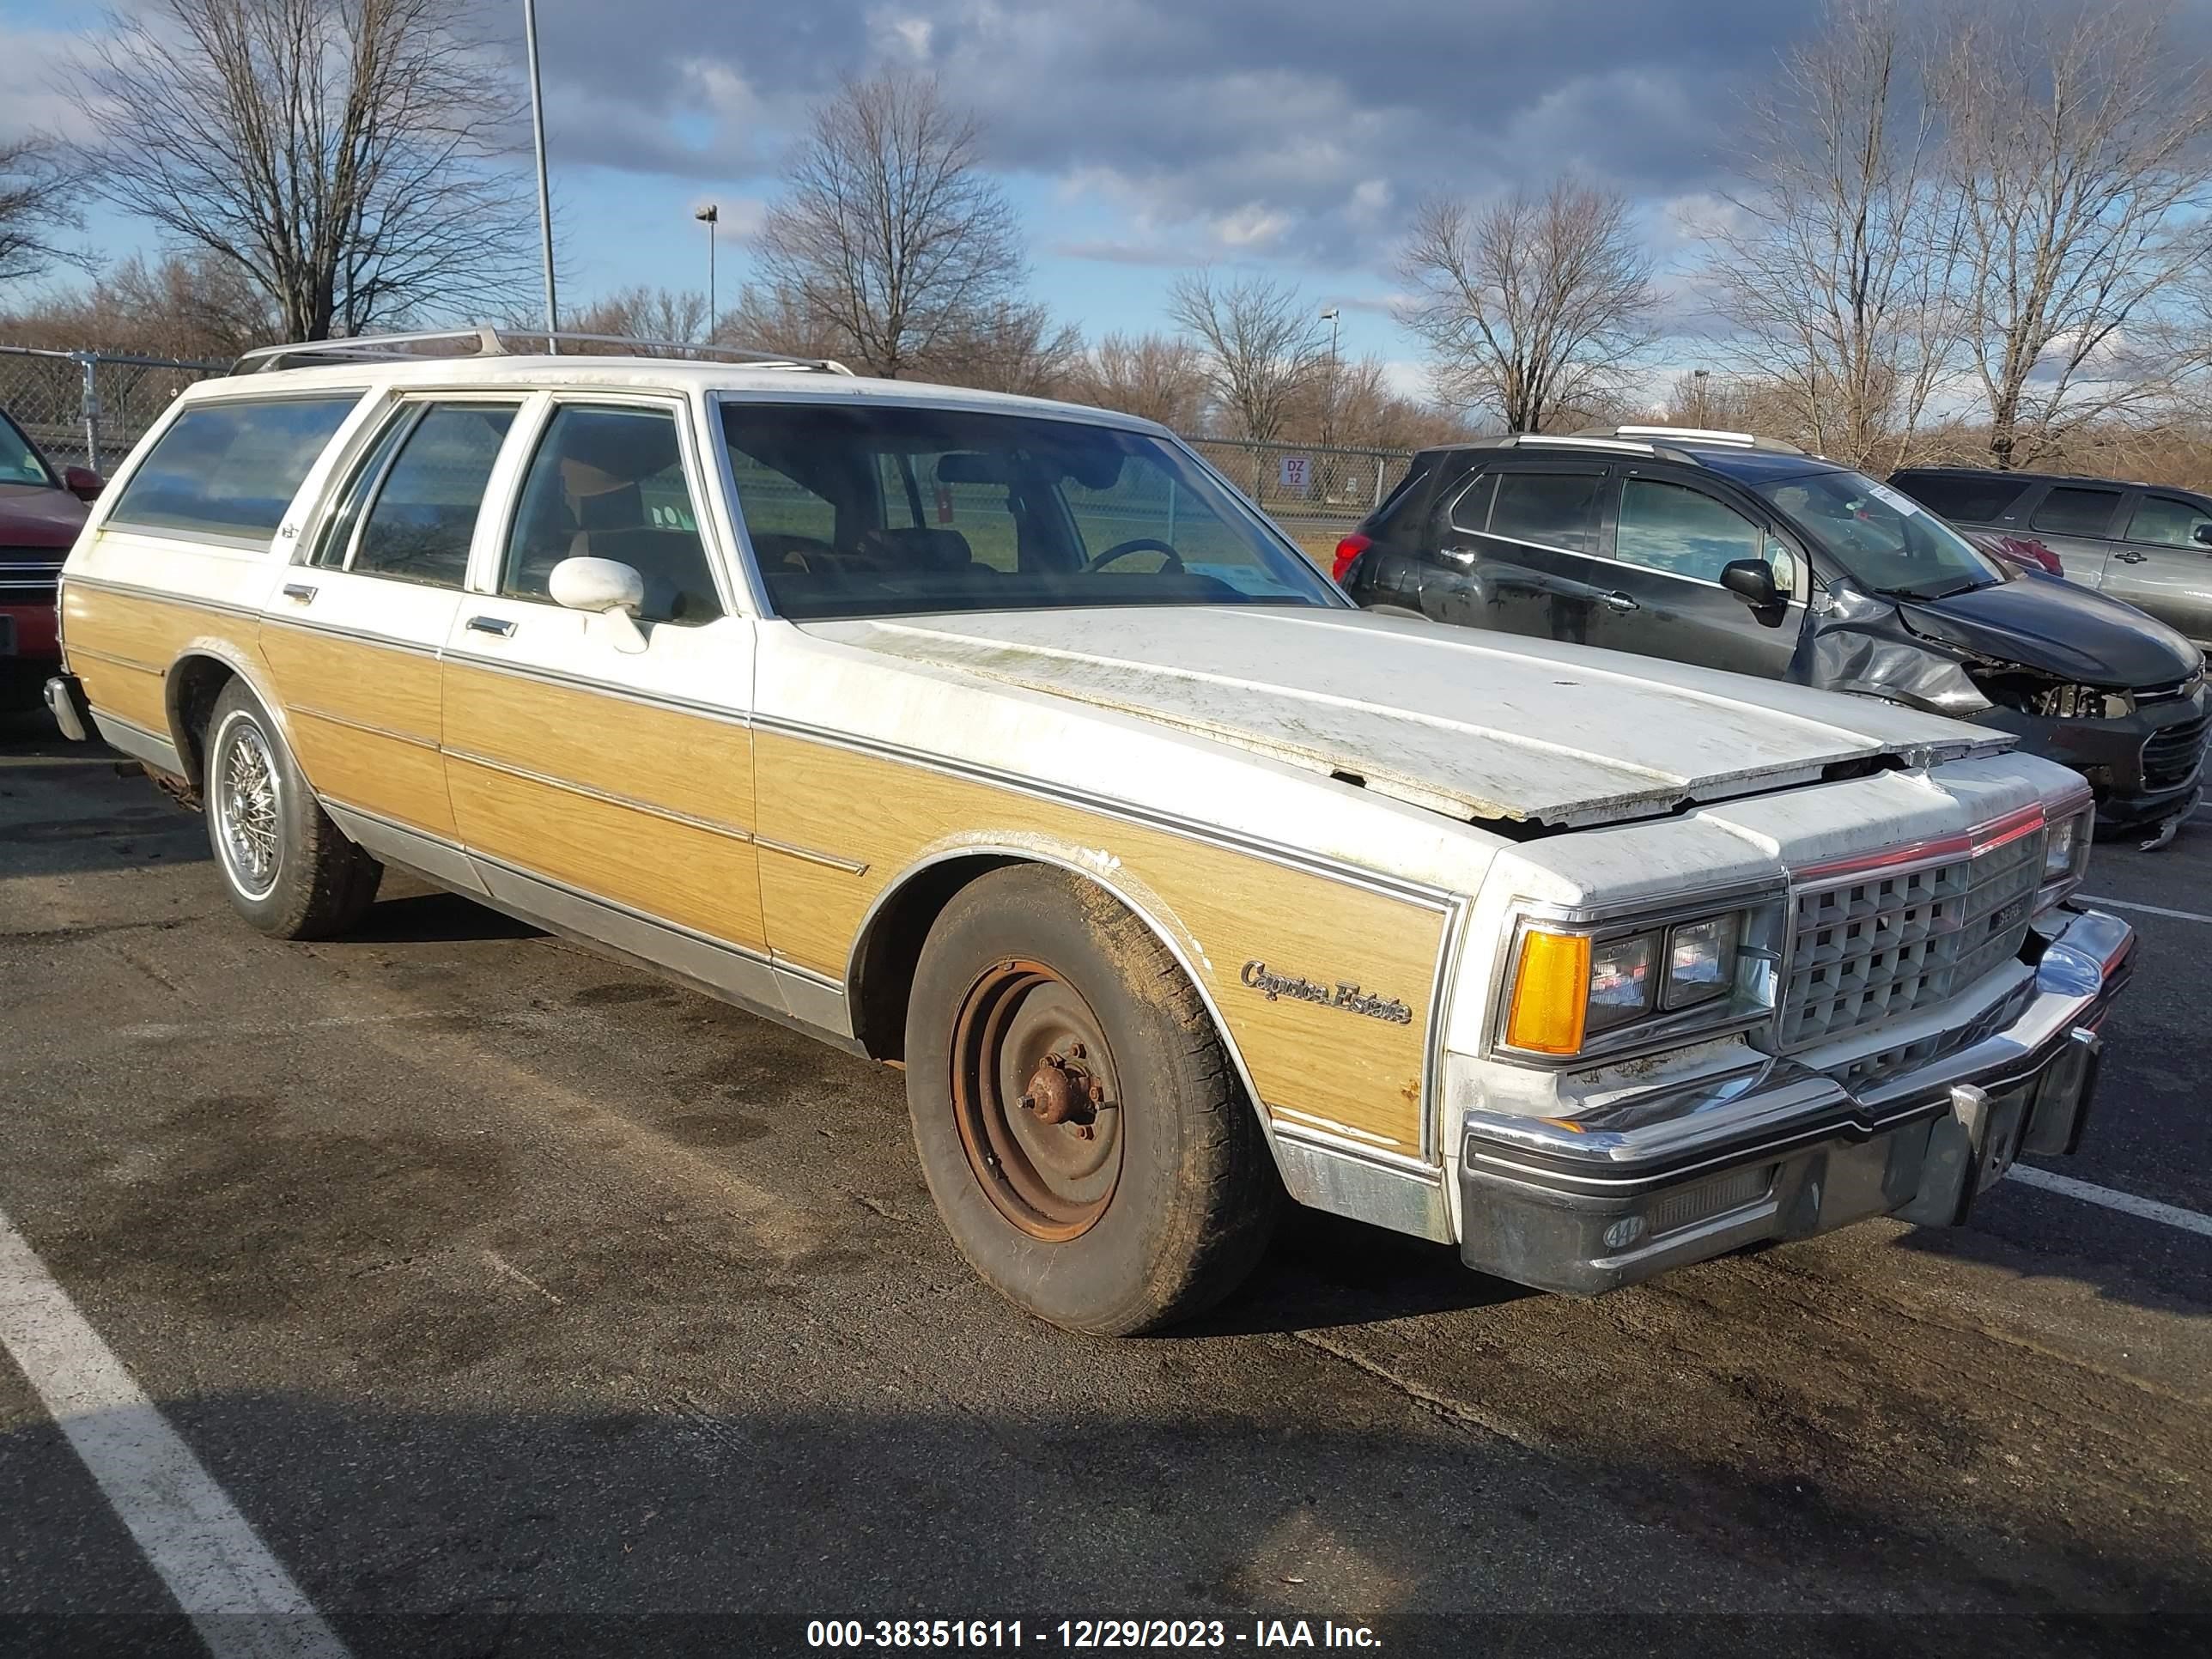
433	916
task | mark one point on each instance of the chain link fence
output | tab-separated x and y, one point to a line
87	408
1316	492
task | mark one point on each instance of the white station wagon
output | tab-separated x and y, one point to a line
1002	740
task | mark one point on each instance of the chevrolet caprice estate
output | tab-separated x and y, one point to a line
1002	741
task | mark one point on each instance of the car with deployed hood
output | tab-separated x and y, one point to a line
1747	554
42	507
1002	742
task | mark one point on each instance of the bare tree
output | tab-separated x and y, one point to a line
1155	377
182	306
347	155
2080	149
889	236
1016	347
34	207
1829	275
644	313
1530	307
1261	343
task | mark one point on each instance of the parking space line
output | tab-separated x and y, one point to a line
2147	910
2149	1209
237	1595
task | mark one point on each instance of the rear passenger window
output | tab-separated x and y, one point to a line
2071	512
229	469
424	511
608	483
1962	501
1554	509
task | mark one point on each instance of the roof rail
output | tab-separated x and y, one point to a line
1697	434
491	340
1563	440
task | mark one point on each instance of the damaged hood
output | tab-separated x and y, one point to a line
2069	631
1479	725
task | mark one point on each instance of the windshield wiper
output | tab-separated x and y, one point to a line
1940	593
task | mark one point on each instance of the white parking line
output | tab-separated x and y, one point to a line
2148	1208
237	1595
2147	910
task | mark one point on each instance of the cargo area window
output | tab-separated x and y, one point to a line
229	469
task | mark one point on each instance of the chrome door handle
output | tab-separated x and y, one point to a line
2130	558
499	625
303	592
1618	600
1458	555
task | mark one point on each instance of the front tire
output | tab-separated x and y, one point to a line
286	867
1082	1131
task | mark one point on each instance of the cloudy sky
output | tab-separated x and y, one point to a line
1137	136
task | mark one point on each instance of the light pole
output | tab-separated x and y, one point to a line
1697	377
1328	403
544	191
710	215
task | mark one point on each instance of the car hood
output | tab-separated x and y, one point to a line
2067	630
1482	726
33	515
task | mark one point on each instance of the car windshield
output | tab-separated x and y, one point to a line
19	462
1884	540
861	510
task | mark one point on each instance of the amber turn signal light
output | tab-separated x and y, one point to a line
1551	994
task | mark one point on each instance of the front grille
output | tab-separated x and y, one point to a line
2172	755
1925	1051
29	574
1881	946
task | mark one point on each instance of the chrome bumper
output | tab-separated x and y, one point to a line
1779	1150
72	712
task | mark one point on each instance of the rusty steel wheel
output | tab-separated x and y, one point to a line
1037	1100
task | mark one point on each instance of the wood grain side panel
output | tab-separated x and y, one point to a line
687	764
108	633
702	880
1328	1062
400	780
374	685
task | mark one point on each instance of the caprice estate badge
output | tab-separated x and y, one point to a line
1343	994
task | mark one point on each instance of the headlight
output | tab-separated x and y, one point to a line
1577	989
2065	857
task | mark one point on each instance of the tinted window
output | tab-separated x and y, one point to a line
1961	500
424	514
231	469
1671	527
609	483
2166	521
2069	511
1558	509
1470	513
1392	519
1018	512
19	462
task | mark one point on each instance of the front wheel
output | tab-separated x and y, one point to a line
1078	1122
288	869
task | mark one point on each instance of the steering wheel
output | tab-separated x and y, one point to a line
1137	545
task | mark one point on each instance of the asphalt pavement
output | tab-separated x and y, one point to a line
510	1300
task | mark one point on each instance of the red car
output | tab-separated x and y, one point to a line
41	509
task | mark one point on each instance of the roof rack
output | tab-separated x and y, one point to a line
1695	435
1562	441
491	340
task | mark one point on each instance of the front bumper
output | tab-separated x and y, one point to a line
2143	768
1780	1150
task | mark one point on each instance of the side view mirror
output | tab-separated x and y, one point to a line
604	587
2203	534
1751	580
83	482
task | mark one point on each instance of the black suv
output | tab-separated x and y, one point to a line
1749	555
2147	543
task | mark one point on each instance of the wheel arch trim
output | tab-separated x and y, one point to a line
1139	900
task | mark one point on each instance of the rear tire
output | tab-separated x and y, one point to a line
286	868
1036	987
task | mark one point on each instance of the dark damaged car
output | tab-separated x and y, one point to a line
1748	555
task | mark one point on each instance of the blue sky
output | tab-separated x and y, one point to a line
1136	137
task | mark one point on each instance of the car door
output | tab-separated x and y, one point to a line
601	766
2162	562
1515	549
2076	522
352	634
1671	540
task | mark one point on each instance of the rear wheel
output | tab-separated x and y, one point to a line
285	866
1078	1120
